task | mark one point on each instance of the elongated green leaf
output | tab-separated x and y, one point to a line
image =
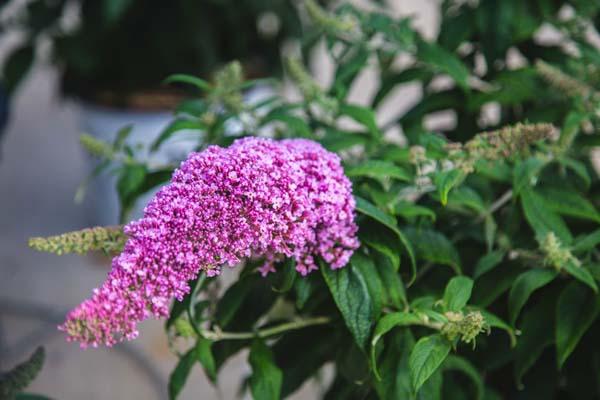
381	240
493	321
535	335
266	379
381	170
578	168
580	273
586	242
363	115
525	172
569	202
394	288
542	219
176	126
576	310
524	286
367	269
434	247
444	181
297	124
444	61
365	207
427	356
410	210
206	359
393	367
351	294
488	262
456	363
457	293
465	197
190	80
181	372
386	324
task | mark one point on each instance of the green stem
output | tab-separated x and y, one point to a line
217	335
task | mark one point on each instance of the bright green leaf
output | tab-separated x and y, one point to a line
524	286
427	356
266	379
457	293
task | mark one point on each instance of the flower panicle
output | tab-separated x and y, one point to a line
257	198
95	147
227	84
330	22
109	239
464	327
563	82
555	254
503	143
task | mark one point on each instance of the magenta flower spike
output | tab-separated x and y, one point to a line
256	198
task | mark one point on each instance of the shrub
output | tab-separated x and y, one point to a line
477	271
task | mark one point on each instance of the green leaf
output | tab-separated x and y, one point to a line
456	363
576	310
206	358
411	210
295	123
347	71
586	242
525	284
434	247
181	372
130	181
444	181
578	168
466	197
367	269
525	172
363	115
542	219
122	136
569	202
444	61
266	379
380	170
493	321
113	10
536	335
367	208
351	294
190	80
303	290
457	293
176	126
580	273
488	262
386	324
394	288
427	356
393	361
287	275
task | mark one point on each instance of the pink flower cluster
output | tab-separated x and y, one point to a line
259	198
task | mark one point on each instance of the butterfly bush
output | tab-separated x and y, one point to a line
257	198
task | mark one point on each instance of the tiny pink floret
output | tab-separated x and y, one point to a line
259	198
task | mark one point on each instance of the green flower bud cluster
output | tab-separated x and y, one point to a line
309	88
228	81
499	144
17	379
330	22
108	239
464	327
555	255
563	82
96	147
